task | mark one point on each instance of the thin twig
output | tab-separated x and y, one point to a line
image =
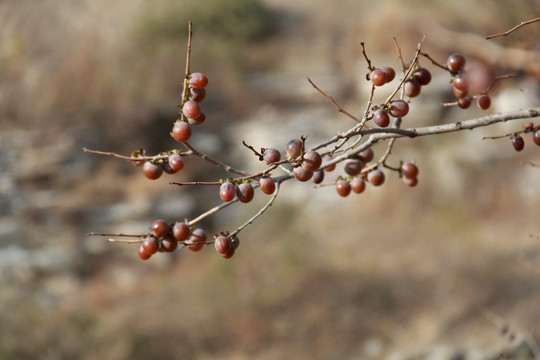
339	108
215	162
409	70
116	235
132	158
521	24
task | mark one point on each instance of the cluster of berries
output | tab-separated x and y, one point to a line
456	65
519	143
170	162
181	131
165	238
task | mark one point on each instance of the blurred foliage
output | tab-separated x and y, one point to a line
240	20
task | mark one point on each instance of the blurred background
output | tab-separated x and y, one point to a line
396	272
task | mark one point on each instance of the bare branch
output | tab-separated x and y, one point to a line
521	24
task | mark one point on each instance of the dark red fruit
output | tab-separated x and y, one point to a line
198	120
461	82
227	191
169	243
353	166
366	155
223	245
464	102
412	88
268	186
390	73
318	176
312	160
398	108
181	231
152	171
168	169
271	156
176	162
181	131
536	137
198	238
409	170
456	62
245	192
376	177
518	143
198	80
327	158
343	188
358	185
294	148
381	118
484	101
423	76
378	77
460	93
138	163
412	182
159	228
143	254
302	174
150	245
197	94
191	109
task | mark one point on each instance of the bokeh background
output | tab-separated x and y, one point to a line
396	272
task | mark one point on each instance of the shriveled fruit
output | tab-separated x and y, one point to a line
366	155
198	239
294	148
302	174
398	108
353	166
271	156
381	118
245	192
169	243
223	245
312	160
